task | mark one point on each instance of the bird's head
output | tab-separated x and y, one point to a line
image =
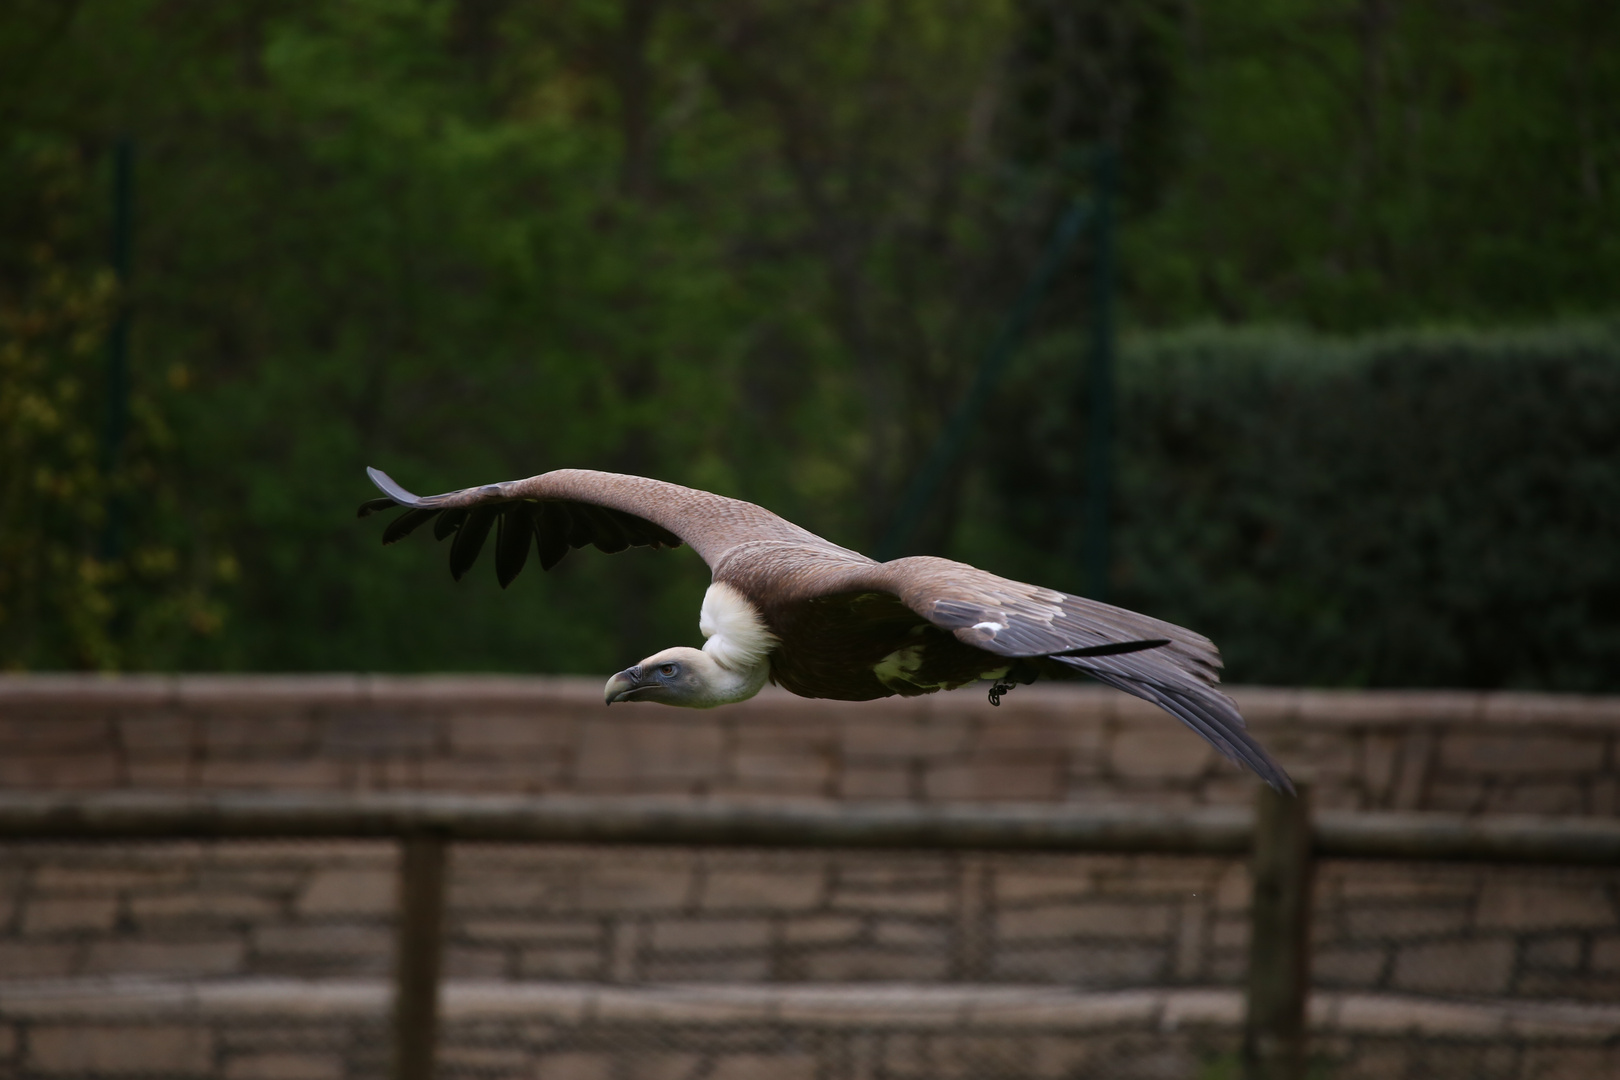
681	676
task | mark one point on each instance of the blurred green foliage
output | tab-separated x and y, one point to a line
1401	509
746	245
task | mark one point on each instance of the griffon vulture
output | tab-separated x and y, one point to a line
821	621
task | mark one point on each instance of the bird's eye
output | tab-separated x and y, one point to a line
667	670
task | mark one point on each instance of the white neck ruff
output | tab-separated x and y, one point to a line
736	636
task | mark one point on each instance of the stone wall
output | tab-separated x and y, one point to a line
268	959
629	916
333	1030
1364	750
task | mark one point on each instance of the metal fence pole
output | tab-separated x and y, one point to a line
417	956
1280	938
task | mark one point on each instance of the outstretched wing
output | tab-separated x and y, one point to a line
569	508
1157	661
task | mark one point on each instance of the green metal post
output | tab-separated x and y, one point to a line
1100	433
948	447
116	425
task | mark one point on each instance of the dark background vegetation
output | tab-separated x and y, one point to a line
1369	254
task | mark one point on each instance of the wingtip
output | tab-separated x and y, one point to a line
388	487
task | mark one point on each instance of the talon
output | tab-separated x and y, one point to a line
997	690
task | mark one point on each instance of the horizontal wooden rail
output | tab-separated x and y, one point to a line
1204	831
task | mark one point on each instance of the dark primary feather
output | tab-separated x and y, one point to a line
551	533
514	536
554	525
406	523
449	521
470	537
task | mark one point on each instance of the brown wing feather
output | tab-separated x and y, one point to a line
1178	670
575	507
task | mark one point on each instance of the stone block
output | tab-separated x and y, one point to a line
496	734
875	780
258	734
1089	919
325	941
36	959
710	935
894	902
1394	882
820	930
462	961
516	773
1570	1062
1606	953
1379	923
202	907
1544	710
1230	932
911	934
885	738
1516	753
620	754
1067	880
1175	875
893	872
144	772
60	734
94	876
534	894
1357	966
1159	753
576	1065
1010	777
53	914
288	1066
383	732
350	891
1476	968
1379	753
160	1049
1084	965
1568	986
732	889
217	956
63	770
782	771
561	963
707	968
866	964
1534	798
275	774
1529	905
1034	734
632	886
1561	952
1235	889
549	932
784	1066
157	734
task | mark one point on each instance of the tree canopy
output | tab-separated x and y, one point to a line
751	246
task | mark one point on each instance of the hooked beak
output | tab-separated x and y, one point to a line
622	685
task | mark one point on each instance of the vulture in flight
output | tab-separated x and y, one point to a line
819	620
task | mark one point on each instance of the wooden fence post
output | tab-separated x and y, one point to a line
418	952
1280	938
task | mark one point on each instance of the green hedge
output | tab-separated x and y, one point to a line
1423	509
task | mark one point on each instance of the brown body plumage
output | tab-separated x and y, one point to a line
829	622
